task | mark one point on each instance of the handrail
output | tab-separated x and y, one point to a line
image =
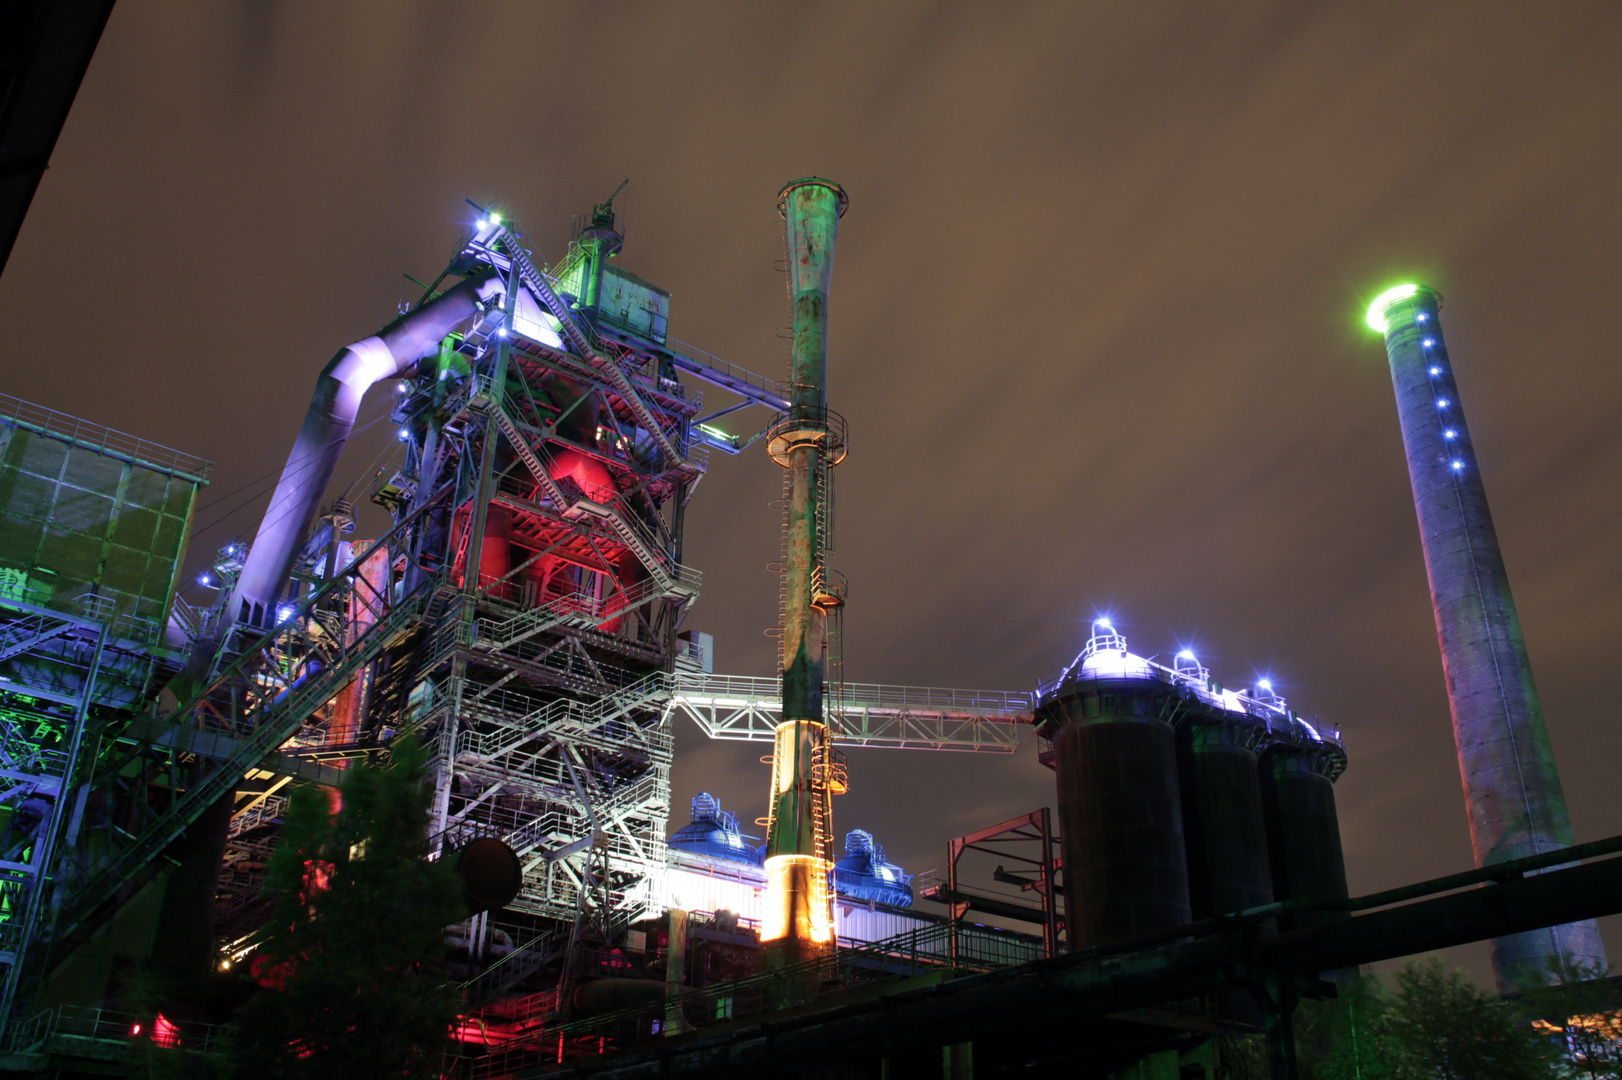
868	696
262	741
729	376
583	345
1277	719
135	450
272	720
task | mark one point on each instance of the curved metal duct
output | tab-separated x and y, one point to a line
343	383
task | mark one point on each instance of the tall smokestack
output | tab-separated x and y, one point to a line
808	442
1511	785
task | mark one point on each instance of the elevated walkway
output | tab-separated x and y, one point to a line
748	708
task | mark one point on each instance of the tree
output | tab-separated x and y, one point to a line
353	964
1441	1026
1338	1038
1579	1008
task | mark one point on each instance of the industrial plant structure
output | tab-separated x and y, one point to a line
523	616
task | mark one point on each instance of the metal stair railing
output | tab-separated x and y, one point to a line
538	284
585	609
267	812
578	717
188	617
510	969
634	533
273	724
31	632
532	461
483	747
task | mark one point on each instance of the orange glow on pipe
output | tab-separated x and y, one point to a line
797	902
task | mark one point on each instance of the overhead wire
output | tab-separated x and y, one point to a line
307	461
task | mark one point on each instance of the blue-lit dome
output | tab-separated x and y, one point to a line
714	832
864	875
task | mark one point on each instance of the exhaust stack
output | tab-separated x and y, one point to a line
808	442
1511	785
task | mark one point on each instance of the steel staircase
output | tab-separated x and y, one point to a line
271	725
538	284
31	632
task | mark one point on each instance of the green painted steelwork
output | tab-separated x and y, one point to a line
808	442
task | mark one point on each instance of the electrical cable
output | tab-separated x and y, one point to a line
308	461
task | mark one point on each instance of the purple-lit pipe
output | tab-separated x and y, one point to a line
389	354
1511	785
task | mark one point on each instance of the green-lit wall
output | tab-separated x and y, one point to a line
75	519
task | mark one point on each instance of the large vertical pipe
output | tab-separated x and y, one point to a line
1511	785
799	900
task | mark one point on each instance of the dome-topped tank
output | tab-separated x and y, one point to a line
714	832
863	874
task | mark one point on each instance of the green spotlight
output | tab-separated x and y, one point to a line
1376	316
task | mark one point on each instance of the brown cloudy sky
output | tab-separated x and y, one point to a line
1095	318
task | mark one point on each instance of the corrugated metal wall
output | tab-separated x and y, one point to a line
77	520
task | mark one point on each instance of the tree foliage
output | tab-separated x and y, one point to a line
1429	1023
1339	1038
353	963
1580	1010
1441	1026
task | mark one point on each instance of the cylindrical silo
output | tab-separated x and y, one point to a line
1228	865
1120	813
1511	785
1303	830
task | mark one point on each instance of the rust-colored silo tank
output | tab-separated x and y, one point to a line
1303	829
1121	814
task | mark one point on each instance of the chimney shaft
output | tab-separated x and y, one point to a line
808	442
1511	785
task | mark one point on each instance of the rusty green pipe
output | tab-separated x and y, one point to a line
799	832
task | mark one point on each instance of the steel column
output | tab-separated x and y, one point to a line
799	902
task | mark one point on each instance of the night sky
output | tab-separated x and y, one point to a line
1096	321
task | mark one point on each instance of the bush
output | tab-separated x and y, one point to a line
353	966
